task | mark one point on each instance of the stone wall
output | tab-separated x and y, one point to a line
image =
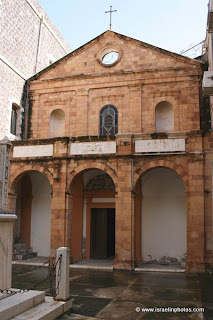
80	86
28	41
125	170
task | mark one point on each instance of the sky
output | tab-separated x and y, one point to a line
174	25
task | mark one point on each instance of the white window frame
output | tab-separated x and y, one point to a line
19	109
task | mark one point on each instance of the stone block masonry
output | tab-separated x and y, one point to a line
72	94
29	42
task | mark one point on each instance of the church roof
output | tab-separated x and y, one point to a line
127	38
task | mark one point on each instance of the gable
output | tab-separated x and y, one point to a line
133	55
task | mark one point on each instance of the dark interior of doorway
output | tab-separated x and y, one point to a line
102	233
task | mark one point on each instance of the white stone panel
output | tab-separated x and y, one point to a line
6	244
93	148
160	145
33	151
41	214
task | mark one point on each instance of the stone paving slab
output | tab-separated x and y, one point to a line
116	295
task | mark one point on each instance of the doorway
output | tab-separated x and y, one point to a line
102	233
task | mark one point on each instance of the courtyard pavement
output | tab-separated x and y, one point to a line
123	295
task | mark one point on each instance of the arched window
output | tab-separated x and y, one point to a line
108	120
164	117
57	123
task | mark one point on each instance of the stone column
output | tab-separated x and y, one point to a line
58	218
58	208
5	146
68	234
137	229
195	216
6	245
124	224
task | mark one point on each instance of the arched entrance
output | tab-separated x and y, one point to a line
162	216
92	214
33	210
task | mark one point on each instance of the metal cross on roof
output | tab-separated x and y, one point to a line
110	11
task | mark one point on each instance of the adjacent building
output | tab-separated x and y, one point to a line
29	42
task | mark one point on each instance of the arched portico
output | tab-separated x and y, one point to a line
30	198
154	203
140	170
85	167
91	214
23	170
193	200
162	213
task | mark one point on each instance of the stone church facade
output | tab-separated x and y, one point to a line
116	161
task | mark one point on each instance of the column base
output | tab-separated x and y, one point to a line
123	265
195	266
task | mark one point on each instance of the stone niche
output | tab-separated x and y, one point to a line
164	117
57	123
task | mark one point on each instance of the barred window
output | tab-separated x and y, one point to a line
108	120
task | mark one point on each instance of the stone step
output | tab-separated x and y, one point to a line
48	310
20	302
20	245
3	296
25	256
23	250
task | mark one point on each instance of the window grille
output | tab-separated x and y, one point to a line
108	120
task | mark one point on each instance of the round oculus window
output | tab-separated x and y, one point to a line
110	58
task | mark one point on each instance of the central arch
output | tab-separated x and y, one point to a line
92	215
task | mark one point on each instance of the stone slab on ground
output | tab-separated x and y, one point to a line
3	296
48	310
